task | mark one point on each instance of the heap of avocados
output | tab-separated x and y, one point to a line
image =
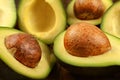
73	19
42	18
7	13
46	21
12	69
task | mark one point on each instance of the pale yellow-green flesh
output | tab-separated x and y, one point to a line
109	58
43	68
7	13
111	20
73	19
42	18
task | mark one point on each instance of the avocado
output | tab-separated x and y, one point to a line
99	65
110	22
12	69
7	13
73	19
43	18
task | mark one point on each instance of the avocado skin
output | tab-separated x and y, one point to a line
91	71
7	73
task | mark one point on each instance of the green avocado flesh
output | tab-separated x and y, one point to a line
43	68
111	20
72	18
109	58
7	13
42	18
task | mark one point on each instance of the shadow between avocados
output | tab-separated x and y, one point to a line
11	69
100	65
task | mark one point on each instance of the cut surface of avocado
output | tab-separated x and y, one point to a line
73	19
109	58
111	20
43	68
42	18
7	13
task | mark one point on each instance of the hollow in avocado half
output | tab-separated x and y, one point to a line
13	51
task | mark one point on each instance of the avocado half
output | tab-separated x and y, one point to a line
7	13
73	19
100	65
110	22
43	18
15	69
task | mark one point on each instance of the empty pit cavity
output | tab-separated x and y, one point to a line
42	16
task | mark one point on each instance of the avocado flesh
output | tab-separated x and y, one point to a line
7	13
73	19
103	64
43	68
111	20
42	18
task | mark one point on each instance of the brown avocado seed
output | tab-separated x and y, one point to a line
84	39
88	9
24	48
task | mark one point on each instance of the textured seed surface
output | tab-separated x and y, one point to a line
83	39
88	9
24	48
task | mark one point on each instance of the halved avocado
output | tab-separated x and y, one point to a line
42	18
111	20
104	64
73	19
41	71
7	13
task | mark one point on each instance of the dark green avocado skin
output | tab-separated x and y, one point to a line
91	71
7	73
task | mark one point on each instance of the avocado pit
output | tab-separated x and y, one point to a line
88	9
84	39
25	48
